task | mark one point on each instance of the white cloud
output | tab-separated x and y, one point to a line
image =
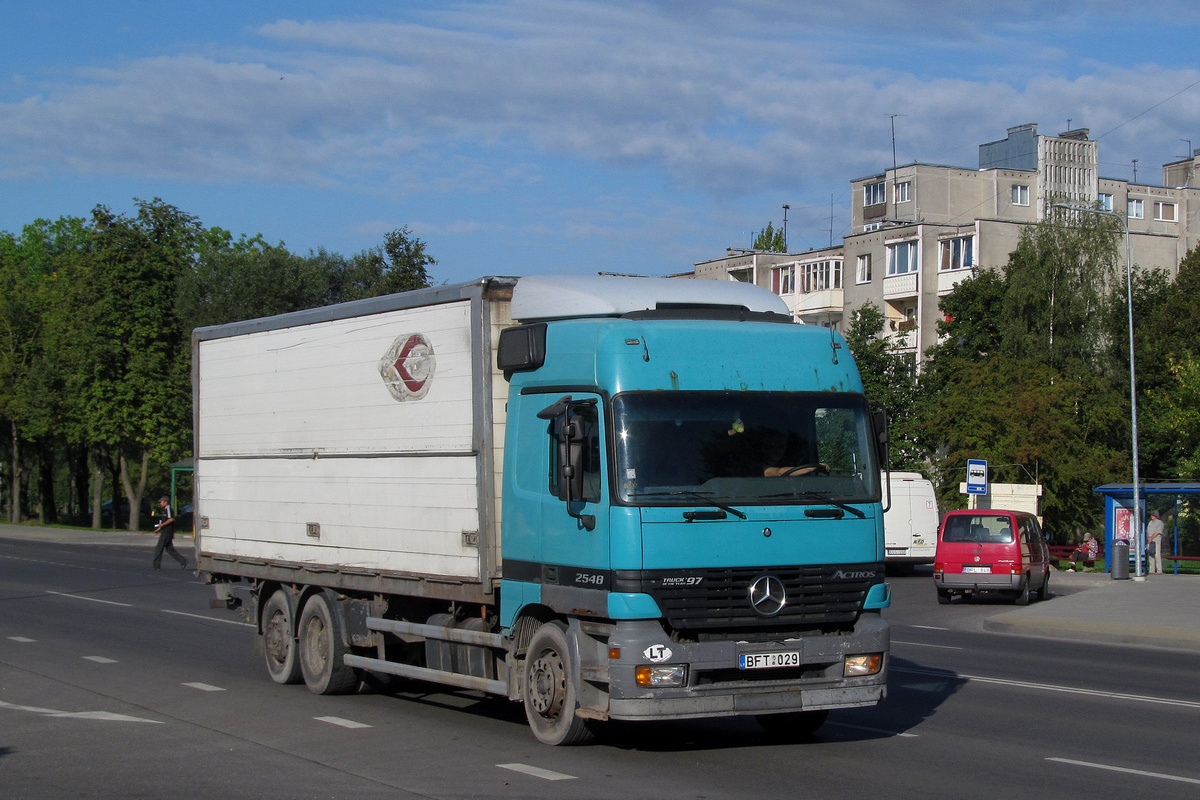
718	98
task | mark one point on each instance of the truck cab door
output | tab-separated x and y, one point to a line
574	505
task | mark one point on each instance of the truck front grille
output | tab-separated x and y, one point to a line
818	596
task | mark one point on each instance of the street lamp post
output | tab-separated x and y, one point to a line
1139	547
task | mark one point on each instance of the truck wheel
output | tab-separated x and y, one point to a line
279	646
943	596
796	723
322	651
1044	590
548	689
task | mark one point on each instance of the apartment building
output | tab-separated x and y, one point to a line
919	229
810	283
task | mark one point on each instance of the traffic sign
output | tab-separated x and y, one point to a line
977	476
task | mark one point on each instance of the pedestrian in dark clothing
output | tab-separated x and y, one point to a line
166	536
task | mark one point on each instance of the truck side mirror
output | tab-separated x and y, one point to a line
880	423
571	443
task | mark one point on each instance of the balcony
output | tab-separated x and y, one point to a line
947	280
827	300
896	286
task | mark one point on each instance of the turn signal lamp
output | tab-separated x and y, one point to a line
655	676
861	665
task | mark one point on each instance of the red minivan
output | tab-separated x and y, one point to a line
991	550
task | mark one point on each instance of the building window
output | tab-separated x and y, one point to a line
783	280
956	253
1106	202
863	274
904	192
819	276
874	193
1135	209
1165	212
872	226
1020	195
901	258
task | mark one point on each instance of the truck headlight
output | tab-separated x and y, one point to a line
865	664
653	676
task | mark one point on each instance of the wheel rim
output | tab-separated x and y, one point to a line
314	645
547	685
276	638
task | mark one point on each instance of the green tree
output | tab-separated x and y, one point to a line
31	369
1058	283
400	265
134	376
247	278
889	379
770	240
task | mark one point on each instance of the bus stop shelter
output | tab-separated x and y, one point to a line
1118	513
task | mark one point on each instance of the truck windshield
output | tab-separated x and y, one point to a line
680	448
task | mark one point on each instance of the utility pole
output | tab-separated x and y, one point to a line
785	210
893	116
831	219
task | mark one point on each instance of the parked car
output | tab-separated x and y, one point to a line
991	550
106	512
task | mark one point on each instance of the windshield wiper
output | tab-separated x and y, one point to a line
822	497
696	496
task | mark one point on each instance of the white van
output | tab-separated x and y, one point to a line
910	525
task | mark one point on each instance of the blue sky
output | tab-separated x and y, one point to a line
538	136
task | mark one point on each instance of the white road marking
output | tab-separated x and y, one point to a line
537	772
106	716
90	599
22	639
99	659
205	687
922	644
345	723
206	618
1126	770
929	627
1047	687
871	730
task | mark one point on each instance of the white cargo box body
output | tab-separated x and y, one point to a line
360	443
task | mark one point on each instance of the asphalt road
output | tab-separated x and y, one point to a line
116	681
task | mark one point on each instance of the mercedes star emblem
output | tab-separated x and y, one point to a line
767	595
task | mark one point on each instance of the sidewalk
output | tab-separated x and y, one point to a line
1161	611
33	533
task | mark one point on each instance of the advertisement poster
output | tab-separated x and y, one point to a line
1122	522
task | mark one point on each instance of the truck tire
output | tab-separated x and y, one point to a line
279	644
792	724
548	689
321	650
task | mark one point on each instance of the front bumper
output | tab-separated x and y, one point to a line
715	686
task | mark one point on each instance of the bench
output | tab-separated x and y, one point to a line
1063	553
